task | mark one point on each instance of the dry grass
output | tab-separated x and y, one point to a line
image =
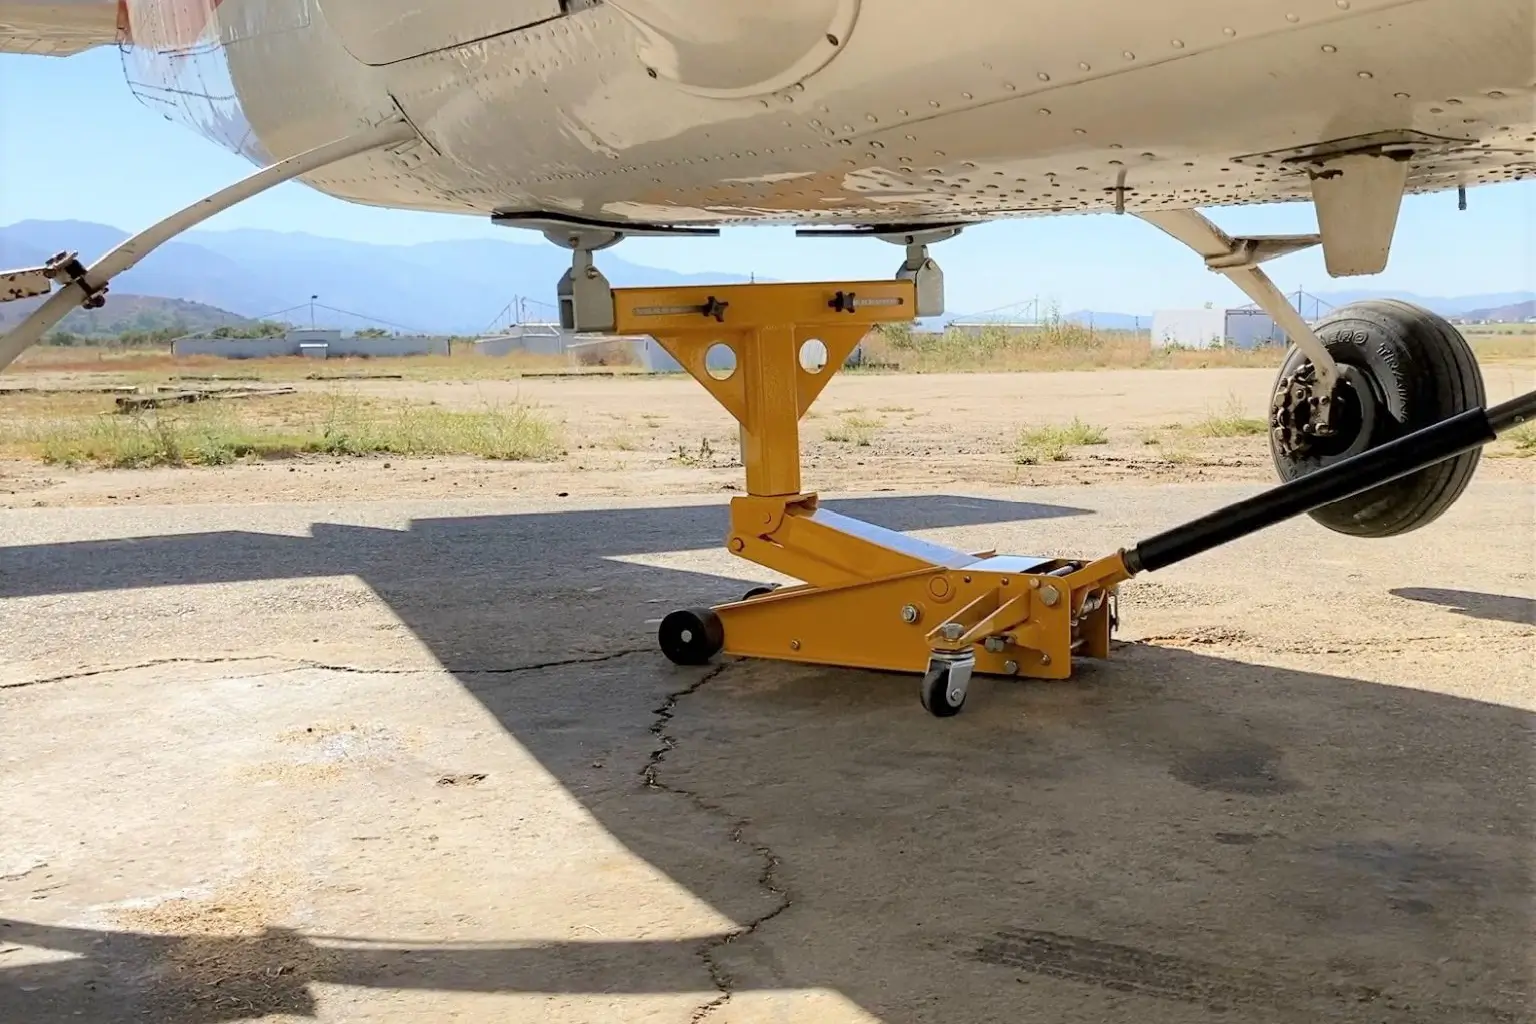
1061	345
612	355
1503	343
1231	422
1523	438
1175	456
1053	346
158	365
1055	443
686	456
218	433
856	430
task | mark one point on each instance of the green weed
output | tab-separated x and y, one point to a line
1055	443
1231	422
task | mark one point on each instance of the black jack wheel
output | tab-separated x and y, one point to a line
1402	369
691	636
766	588
936	696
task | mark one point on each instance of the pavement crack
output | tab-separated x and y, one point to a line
665	741
469	670
294	664
561	663
767	879
154	663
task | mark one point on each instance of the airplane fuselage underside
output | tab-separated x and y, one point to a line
697	112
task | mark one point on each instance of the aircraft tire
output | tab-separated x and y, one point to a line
1404	368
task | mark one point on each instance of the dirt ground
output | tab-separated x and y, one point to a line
639	436
389	740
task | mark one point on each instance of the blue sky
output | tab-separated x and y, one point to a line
76	144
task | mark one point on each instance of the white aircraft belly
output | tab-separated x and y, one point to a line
385	31
961	110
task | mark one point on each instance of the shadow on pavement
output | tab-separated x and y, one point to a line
511	548
1495	607
1170	837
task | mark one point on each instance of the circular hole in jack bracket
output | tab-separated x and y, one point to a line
720	361
813	355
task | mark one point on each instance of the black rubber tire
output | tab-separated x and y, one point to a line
935	698
1421	371
691	636
760	591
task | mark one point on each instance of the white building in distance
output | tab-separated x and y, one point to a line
1189	328
317	344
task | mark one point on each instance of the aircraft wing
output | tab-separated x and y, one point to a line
59	28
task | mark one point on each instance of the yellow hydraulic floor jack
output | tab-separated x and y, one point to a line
873	598
870	598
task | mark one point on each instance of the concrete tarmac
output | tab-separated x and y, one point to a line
408	761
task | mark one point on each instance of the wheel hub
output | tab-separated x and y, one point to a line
1300	411
1315	427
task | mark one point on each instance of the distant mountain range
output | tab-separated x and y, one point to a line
1457	306
437	287
1500	307
127	312
1518	312
458	287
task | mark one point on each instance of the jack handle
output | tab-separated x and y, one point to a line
1393	460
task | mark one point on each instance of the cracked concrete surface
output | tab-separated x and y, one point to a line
767	880
407	761
307	663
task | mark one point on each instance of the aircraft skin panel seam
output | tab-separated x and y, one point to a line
467	42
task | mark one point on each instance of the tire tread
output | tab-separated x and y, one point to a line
1449	382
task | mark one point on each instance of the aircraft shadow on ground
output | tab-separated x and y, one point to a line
1170	837
1473	604
514	549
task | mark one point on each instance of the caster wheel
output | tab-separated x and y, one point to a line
691	636
1402	369
766	588
945	685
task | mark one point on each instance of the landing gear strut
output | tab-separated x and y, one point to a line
1239	260
1363	376
87	286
